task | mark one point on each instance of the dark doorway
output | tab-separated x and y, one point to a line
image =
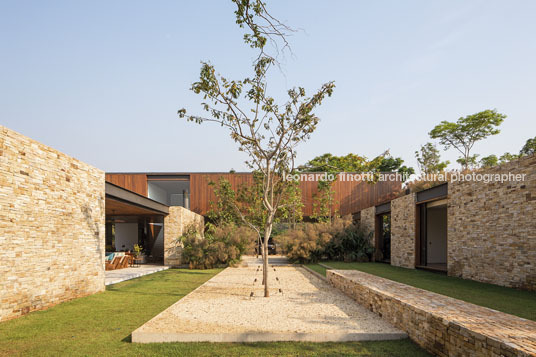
383	237
432	244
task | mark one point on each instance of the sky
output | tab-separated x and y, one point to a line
102	80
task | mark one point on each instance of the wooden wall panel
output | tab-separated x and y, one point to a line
132	182
201	193
350	197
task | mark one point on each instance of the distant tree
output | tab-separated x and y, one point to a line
507	157
429	159
334	164
291	210
393	164
266	131
529	148
464	133
323	202
355	163
225	209
489	161
470	162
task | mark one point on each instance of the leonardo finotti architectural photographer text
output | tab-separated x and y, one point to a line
396	176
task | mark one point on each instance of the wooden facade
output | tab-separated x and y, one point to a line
132	182
349	197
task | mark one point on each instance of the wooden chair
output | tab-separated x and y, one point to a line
114	264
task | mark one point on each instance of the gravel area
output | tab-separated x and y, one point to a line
301	307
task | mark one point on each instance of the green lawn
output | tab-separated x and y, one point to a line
512	301
101	325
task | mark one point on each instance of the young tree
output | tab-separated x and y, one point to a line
429	159
529	148
464	133
292	209
323	202
268	132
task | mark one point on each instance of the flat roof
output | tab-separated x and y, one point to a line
125	196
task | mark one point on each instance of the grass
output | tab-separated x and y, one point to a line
101	324
512	301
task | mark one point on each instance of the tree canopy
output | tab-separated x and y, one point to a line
355	163
529	148
466	131
429	159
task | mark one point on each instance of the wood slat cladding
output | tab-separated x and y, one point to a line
132	182
201	193
349	197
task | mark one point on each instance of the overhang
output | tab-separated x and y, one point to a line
122	202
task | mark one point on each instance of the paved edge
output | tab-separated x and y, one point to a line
140	337
318	275
134	276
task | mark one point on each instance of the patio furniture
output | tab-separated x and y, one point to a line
114	264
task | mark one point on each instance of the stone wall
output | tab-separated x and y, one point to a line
368	220
175	224
51	226
492	228
403	231
440	324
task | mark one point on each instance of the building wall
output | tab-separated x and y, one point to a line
368	218
492	228
403	231
175	224
52	232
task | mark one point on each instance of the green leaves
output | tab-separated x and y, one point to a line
429	159
464	133
529	148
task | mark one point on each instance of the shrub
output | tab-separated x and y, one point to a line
221	246
337	240
350	245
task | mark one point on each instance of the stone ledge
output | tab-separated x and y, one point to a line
250	337
442	325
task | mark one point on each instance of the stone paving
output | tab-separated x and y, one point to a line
119	275
230	307
443	325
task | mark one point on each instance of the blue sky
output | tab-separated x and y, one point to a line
102	80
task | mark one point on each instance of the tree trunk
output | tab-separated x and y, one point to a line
267	233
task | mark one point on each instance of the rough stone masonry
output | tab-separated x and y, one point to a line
52	232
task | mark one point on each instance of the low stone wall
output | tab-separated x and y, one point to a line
175	225
492	228
51	226
442	325
403	231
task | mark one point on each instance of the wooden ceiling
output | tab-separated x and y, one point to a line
119	208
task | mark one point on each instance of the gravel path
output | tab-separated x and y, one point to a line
301	307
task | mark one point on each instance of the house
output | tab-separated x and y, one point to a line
56	211
469	228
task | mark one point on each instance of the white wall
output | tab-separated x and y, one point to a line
156	193
126	234
436	234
